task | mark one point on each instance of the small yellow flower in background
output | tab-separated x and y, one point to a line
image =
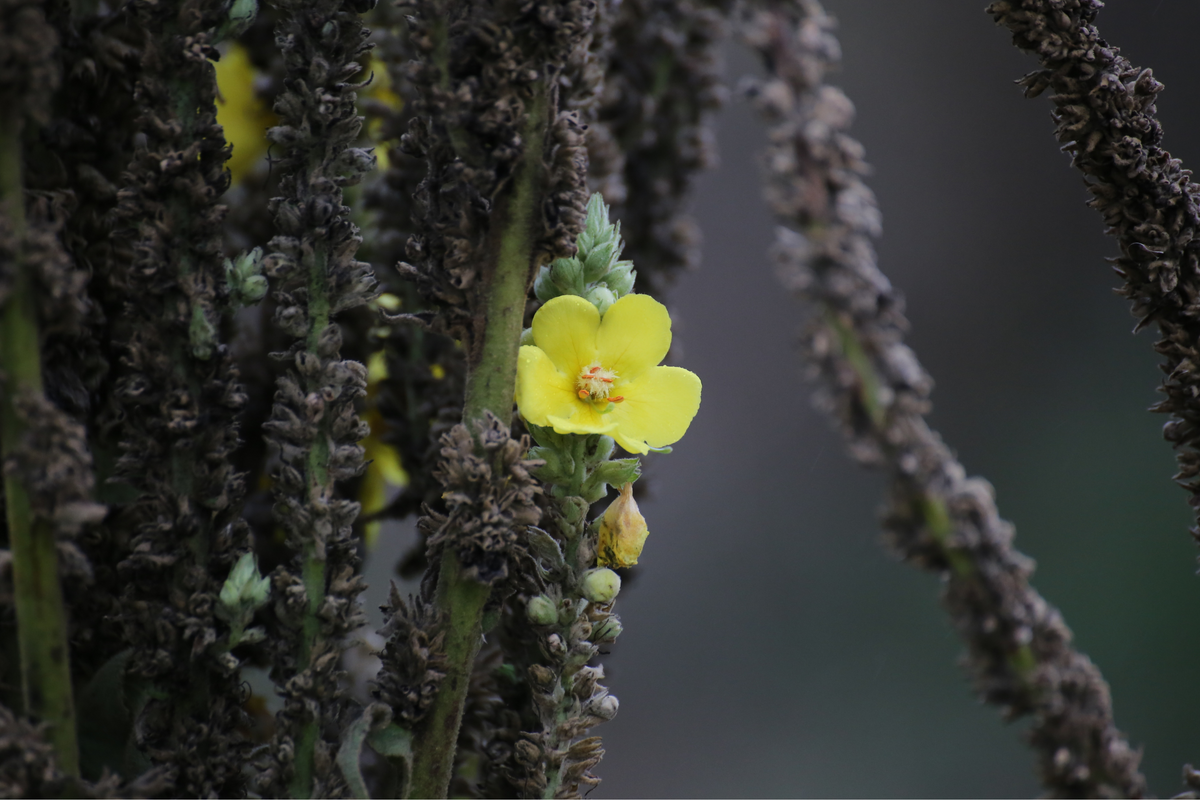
622	532
241	112
590	374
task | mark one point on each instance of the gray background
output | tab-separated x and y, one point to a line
771	646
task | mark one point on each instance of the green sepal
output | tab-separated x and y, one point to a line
614	473
559	466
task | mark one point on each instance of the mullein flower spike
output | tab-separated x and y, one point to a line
587	373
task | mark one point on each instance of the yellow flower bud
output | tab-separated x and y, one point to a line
622	531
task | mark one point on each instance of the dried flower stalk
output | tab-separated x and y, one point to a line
939	519
314	426
1104	117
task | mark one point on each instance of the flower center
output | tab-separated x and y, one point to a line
595	383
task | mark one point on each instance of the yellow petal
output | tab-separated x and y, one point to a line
541	389
377	367
388	461
241	112
657	409
634	335
584	419
565	329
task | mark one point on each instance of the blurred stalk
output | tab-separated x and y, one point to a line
491	385
41	614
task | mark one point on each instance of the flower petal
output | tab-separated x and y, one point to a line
634	335
585	419
657	408
541	389
565	329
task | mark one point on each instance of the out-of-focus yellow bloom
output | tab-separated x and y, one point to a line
384	471
379	91
623	532
240	111
590	374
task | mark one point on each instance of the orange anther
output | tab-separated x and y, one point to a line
593	370
615	399
583	394
607	380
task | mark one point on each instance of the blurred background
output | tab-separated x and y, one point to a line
772	647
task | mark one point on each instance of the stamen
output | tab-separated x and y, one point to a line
615	399
594	383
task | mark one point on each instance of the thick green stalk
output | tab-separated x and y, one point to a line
319	482
490	387
463	600
41	614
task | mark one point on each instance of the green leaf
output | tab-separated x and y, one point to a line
373	727
546	551
350	753
395	744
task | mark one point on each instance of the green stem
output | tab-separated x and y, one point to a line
492	381
490	387
41	614
433	759
319	483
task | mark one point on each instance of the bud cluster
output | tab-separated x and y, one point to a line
596	271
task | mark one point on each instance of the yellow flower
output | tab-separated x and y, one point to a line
623	532
240	111
587	374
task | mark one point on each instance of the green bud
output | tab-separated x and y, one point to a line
567	275
601	297
255	593
595	223
541	610
599	261
603	451
244	591
241	17
543	287
600	586
244	276
230	594
620	278
607	630
527	337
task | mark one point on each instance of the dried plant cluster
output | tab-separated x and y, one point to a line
187	410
